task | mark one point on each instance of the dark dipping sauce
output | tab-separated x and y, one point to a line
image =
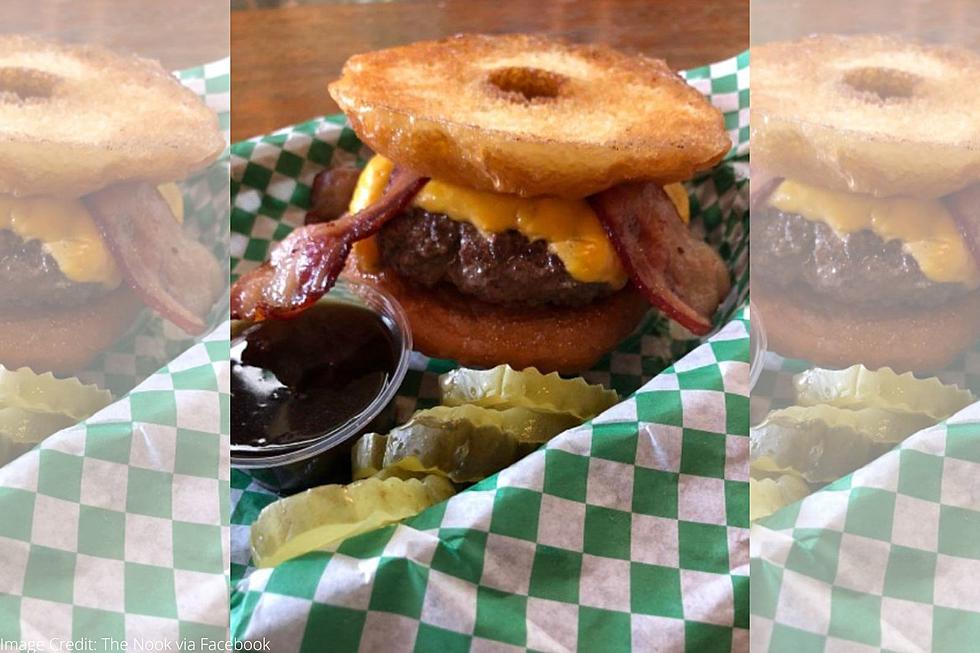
294	380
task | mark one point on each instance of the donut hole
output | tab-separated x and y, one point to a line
526	85
26	85
882	84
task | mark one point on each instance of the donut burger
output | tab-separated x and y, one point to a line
88	236
865	203
522	203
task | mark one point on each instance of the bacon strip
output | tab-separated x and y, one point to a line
304	266
174	275
762	190
679	274
965	206
331	193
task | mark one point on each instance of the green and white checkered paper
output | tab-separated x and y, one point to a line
118	527
116	530
627	533
885	559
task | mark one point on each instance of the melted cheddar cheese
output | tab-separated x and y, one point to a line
369	189
927	231
174	198
69	234
570	227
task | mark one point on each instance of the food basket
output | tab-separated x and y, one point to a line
631	530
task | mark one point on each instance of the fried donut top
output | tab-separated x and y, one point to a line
867	113
529	115
76	119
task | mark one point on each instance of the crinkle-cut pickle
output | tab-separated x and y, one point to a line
325	515
823	443
45	393
34	406
767	495
462	449
859	387
504	387
526	424
465	443
21	430
368	455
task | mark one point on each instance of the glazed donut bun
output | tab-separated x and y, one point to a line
447	324
834	334
531	116
74	120
867	114
64	341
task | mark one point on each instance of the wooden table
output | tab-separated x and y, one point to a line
283	58
179	33
949	21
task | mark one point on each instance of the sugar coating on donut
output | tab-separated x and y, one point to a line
529	115
867	113
75	119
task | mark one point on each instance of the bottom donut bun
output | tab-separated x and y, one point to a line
65	341
837	335
447	324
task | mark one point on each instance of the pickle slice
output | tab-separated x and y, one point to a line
467	443
21	430
328	514
21	425
504	387
33	406
859	387
368	454
463	449
823	442
525	424
766	466
407	468
44	393
767	495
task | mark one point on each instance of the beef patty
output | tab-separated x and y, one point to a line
30	276
505	268
861	268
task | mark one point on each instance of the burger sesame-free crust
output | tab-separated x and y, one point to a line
867	113
529	115
75	119
833	334
448	324
66	340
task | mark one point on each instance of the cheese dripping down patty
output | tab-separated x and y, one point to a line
570	227
69	235
926	229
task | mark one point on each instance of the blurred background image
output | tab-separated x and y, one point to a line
866	325
114	124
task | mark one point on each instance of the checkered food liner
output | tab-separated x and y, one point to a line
628	532
886	558
117	527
